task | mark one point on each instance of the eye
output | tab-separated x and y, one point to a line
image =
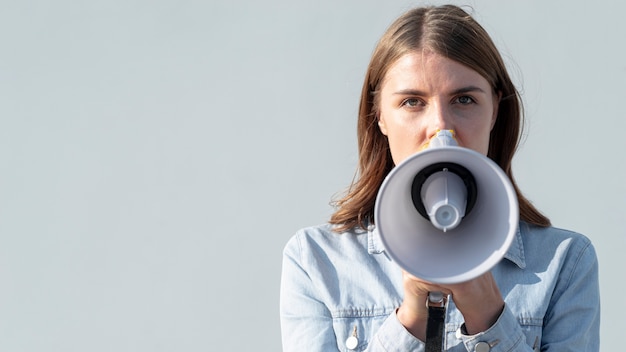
465	100
412	102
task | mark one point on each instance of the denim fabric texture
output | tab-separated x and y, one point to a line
336	286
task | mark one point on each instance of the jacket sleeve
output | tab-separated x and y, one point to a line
572	322
504	335
307	324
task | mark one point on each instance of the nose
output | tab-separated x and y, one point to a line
439	119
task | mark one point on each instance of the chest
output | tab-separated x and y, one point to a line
375	291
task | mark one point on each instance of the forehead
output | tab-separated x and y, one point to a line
429	70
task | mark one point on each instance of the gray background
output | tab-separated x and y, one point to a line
155	156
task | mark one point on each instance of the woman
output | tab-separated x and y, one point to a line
436	69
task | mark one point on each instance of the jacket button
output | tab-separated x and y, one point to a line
352	342
482	347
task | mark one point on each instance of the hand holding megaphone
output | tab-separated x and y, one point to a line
446	216
479	301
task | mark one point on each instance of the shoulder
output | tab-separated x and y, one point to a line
570	248
323	239
552	236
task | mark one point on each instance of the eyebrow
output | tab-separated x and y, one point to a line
461	90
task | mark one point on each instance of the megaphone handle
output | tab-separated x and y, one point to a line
436	298
436	304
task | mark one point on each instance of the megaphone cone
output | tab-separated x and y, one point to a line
477	222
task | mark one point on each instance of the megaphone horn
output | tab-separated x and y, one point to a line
446	214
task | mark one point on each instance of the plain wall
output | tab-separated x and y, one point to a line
155	156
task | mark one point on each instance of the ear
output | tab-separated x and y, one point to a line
496	104
382	125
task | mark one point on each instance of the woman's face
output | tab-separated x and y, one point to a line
424	92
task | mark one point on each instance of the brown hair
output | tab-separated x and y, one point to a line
451	32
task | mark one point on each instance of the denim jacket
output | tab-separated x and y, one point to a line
338	286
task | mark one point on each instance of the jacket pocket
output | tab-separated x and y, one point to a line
355	333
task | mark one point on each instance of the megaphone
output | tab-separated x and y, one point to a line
446	214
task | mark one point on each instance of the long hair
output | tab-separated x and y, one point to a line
452	33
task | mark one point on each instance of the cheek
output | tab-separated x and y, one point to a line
403	143
477	140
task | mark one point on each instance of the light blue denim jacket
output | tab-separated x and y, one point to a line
335	286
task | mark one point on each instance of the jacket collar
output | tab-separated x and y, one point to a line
515	253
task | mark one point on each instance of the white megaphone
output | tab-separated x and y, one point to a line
446	214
